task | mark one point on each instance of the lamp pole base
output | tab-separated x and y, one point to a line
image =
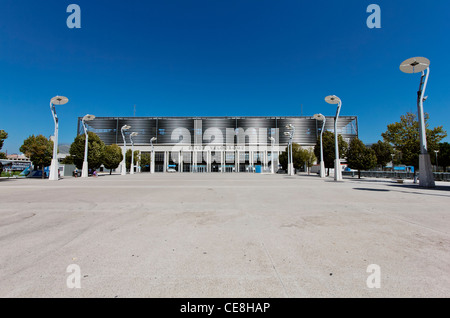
322	169
84	170
54	167
426	178
337	170
123	169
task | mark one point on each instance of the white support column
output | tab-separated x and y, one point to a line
208	163
166	162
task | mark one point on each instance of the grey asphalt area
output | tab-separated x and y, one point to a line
223	235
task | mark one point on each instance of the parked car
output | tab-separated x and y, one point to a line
171	170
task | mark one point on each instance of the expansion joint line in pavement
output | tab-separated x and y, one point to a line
275	269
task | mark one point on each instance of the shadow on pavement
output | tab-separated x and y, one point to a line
368	189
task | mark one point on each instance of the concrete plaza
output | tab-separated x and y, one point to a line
223	235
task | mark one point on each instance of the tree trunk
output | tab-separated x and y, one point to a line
110	171
359	174
43	172
328	172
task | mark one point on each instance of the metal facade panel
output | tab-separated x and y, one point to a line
215	130
166	130
146	129
306	128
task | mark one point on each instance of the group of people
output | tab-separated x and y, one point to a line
76	174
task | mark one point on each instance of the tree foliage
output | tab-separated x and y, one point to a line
308	157
444	155
301	157
383	152
40	151
329	148
96	149
112	157
404	136
128	158
296	157
3	136
360	157
145	161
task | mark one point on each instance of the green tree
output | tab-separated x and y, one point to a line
308	157
112	157
2	155
3	136
96	149
40	151
404	136
128	158
444	155
329	149
145	161
296	157
360	157
383	152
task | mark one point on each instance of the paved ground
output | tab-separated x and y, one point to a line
231	235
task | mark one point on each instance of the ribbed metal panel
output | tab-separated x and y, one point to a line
166	129
253	129
305	130
215	130
105	128
146	129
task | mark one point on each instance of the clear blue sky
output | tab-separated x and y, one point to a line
218	58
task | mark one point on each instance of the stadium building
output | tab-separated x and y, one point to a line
214	144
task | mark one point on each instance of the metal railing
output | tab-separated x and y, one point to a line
438	176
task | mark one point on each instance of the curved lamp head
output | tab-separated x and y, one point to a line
126	127
133	134
59	100
287	133
415	65
290	126
332	99
153	139
272	139
319	117
88	117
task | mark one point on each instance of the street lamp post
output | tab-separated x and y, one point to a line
272	141
322	118
393	167
334	100
420	65
291	137
85	170
54	167
124	150
437	165
152	163
133	134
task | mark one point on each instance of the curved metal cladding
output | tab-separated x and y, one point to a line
218	131
145	127
175	130
104	127
305	130
254	130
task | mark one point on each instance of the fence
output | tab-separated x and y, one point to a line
438	176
